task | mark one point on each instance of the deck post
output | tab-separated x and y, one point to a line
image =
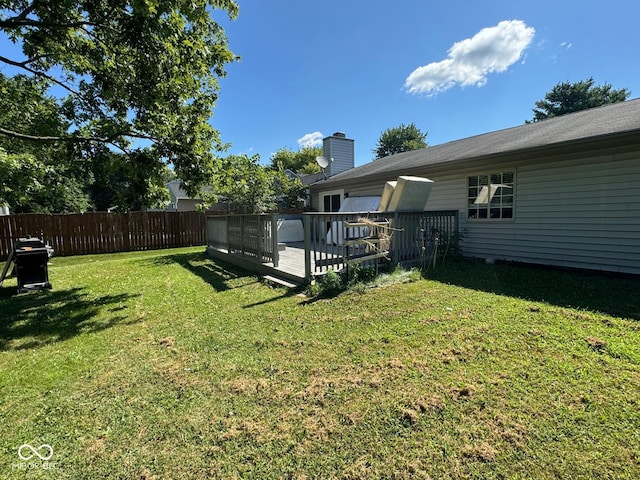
395	248
306	222
242	234
456	223
274	239
261	231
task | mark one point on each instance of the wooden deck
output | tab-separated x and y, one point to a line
290	266
291	260
332	241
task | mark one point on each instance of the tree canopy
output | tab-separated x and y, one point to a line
403	138
253	188
567	97
134	78
302	161
38	177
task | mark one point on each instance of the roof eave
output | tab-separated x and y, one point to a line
571	146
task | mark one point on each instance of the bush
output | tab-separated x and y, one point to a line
358	280
327	286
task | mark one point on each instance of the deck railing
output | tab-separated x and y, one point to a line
419	235
406	238
253	236
339	240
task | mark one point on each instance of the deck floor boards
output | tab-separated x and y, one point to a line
291	260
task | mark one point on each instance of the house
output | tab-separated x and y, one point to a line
181	202
563	192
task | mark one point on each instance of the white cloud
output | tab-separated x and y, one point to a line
567	45
311	140
492	49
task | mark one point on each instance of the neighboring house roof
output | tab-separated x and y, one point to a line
305	178
311	178
603	122
176	190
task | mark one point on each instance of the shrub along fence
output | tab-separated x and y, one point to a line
86	233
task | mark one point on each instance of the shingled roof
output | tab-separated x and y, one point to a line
595	123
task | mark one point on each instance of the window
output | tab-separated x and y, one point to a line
332	203
331	200
490	197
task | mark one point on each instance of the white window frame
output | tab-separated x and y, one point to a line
331	193
488	191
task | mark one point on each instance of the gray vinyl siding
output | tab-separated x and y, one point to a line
577	210
341	150
365	191
580	212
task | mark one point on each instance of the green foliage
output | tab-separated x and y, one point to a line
21	176
253	188
301	162
38	177
358	278
397	276
124	184
140	76
403	138
329	285
567	97
290	193
247	185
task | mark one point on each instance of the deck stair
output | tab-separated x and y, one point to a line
281	281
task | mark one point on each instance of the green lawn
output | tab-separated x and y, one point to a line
167	365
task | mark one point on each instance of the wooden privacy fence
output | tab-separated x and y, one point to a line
86	233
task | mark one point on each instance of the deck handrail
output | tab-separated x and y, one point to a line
253	236
337	240
413	236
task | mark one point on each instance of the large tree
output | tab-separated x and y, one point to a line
567	97
38	177
250	187
139	77
302	161
403	138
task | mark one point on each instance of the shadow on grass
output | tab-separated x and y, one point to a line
39	318
599	292
289	292
215	273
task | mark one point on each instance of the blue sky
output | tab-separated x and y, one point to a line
455	68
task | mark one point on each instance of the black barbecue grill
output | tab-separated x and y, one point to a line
31	257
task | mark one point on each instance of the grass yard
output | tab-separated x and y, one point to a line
167	365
